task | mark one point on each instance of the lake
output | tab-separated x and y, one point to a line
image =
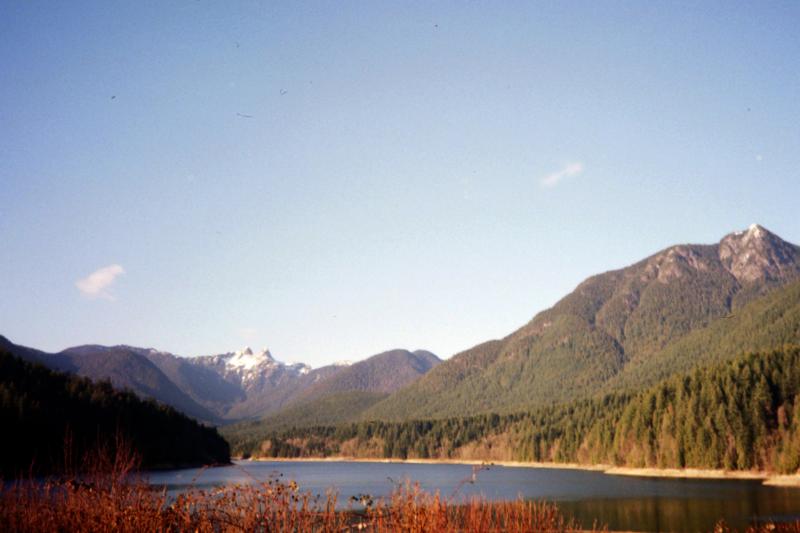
621	502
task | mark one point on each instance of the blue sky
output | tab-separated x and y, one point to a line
335	179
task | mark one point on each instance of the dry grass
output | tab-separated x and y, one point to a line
109	496
270	506
789	527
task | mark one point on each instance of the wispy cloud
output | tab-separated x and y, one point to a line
96	284
553	179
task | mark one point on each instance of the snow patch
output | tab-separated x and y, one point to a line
247	360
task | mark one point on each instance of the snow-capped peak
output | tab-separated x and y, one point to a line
247	360
300	368
345	362
755	230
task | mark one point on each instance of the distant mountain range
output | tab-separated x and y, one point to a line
230	386
685	358
346	394
618	331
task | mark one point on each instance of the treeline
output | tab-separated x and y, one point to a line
52	422
547	434
743	414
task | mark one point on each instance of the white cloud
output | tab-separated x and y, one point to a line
96	284
553	179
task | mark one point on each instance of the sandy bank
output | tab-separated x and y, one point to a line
767	478
792	480
693	473
513	464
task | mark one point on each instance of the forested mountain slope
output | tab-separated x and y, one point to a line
128	369
331	409
769	322
617	331
201	384
740	414
282	393
612	322
382	373
231	386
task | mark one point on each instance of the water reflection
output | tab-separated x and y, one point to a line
682	514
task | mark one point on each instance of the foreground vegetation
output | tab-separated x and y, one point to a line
740	415
109	496
271	506
52	420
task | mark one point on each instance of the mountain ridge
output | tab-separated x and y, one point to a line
615	329
349	392
218	388
608	322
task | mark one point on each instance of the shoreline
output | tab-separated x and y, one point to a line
766	478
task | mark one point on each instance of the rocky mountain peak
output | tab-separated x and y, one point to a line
758	254
674	263
756	231
246	359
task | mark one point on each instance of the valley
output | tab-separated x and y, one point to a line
570	386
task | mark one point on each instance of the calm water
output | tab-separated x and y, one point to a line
621	502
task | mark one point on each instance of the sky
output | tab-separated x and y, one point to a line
331	180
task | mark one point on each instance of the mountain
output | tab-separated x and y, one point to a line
227	387
742	414
52	419
234	385
123	366
282	391
250	371
382	373
36	356
767	323
621	330
203	385
613	325
346	393
128	369
207	388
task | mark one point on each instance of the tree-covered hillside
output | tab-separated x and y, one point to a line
763	324
381	373
334	408
621	323
741	414
52	420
